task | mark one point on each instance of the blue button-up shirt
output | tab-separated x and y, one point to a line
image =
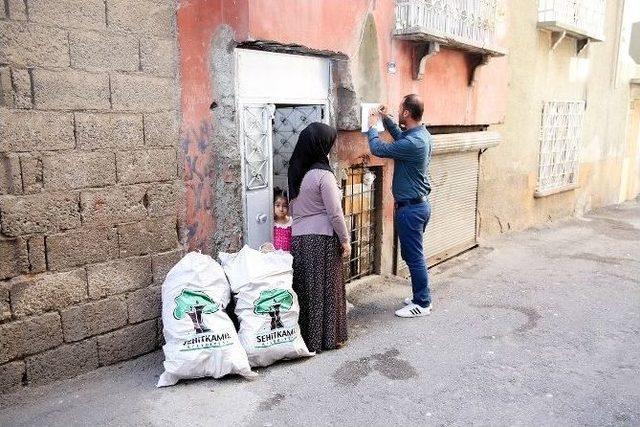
411	152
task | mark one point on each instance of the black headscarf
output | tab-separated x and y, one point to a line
314	144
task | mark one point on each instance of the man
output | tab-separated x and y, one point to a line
411	152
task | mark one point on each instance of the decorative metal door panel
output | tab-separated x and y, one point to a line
255	132
287	124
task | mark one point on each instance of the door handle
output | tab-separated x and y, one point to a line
261	218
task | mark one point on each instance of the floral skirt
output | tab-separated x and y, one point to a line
318	281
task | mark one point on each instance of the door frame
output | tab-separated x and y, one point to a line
273	99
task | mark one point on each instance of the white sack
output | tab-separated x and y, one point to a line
201	340
266	305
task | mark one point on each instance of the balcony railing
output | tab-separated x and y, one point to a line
582	19
464	24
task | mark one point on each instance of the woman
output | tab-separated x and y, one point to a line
320	237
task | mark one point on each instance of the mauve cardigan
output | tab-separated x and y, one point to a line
317	209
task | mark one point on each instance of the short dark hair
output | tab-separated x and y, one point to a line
414	105
279	193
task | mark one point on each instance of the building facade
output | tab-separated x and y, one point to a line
260	70
550	74
138	130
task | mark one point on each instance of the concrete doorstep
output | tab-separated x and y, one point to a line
535	328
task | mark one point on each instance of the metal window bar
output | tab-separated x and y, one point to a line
359	206
472	21
585	15
560	141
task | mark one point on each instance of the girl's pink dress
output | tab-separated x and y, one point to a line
282	236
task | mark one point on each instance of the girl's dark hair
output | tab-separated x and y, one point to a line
280	193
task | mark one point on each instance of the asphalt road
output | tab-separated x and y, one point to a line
536	328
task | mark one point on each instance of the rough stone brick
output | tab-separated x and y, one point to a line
119	276
35	130
32	178
39	213
164	262
6	88
63	362
21	82
5	302
47	292
72	13
158	56
108	130
161	129
11	376
113	205
142	92
81	247
143	16
27	44
146	166
165	199
103	51
14	258
144	304
17	10
128	342
160	337
70	90
94	318
29	336
10	179
78	169
152	236
37	258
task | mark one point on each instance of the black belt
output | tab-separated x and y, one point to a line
415	201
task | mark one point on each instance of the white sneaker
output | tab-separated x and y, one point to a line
413	310
349	306
408	300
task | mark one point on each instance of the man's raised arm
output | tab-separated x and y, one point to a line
392	127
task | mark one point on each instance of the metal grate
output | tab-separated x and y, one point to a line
585	16
560	136
359	206
256	145
470	21
287	125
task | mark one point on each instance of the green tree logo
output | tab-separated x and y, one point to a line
271	302
194	304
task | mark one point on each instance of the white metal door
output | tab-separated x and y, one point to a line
255	132
262	80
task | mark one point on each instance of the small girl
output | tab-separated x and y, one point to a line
281	221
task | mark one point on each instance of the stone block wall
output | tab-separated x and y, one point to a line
90	192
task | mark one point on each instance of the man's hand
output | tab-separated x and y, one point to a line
373	118
382	110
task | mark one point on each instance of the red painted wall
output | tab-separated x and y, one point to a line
336	25
197	22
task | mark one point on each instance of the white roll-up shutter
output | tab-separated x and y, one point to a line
454	182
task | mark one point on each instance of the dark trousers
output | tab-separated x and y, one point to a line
411	222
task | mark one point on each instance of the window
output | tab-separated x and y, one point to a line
468	24
560	140
582	19
359	206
